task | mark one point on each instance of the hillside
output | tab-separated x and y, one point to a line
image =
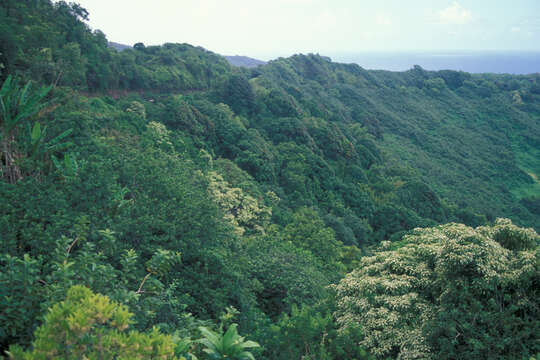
471	138
201	194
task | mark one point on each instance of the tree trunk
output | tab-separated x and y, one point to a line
11	171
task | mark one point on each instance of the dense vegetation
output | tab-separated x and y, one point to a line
447	291
161	189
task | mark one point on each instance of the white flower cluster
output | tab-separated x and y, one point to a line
396	294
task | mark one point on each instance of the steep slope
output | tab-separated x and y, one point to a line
473	139
463	144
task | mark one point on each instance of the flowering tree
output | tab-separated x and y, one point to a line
446	291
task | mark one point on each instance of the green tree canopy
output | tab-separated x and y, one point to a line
90	326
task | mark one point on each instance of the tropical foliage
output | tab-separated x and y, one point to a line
448	290
90	326
164	180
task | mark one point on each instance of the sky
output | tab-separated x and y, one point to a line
271	28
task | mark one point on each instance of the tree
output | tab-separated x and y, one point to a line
307	230
446	291
17	104
20	296
240	209
70	66
311	333
90	326
239	95
139	46
285	274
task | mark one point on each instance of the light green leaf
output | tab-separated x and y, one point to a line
36	133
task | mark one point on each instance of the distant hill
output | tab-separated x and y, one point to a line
236	60
244	61
119	46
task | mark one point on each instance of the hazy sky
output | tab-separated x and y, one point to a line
271	28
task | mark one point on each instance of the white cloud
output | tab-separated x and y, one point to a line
295	2
383	19
455	14
515	29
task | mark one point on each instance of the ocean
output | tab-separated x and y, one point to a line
499	62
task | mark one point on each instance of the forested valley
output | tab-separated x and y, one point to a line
160	203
